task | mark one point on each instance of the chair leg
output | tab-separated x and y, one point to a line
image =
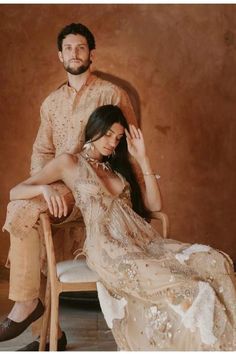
54	322
45	323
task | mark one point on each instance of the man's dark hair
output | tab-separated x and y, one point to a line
76	28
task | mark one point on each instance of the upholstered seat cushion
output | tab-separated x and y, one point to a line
74	271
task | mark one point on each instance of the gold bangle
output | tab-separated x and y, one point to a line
148	173
151	174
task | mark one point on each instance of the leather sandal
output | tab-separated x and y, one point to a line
34	346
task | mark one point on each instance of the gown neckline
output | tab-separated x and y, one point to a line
102	184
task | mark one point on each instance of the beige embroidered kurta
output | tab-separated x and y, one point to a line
64	114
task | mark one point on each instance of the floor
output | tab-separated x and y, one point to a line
82	321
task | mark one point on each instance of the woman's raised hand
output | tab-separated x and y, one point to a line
56	202
135	142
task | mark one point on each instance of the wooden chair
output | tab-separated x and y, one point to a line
70	276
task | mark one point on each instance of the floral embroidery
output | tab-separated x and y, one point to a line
159	328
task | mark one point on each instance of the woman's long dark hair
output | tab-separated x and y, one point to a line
100	121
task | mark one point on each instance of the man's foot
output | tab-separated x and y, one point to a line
10	329
34	346
22	309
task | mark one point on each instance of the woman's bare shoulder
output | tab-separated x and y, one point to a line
68	160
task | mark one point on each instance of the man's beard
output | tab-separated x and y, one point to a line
80	70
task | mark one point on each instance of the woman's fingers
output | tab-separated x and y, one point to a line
54	206
140	134
65	207
127	134
49	203
135	141
128	139
56	203
134	132
60	206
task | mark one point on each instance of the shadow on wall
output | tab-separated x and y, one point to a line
125	85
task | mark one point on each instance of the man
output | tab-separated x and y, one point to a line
64	114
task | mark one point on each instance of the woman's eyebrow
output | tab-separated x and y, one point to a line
115	133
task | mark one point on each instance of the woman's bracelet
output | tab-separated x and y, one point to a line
151	174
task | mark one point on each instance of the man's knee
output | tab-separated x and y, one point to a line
23	214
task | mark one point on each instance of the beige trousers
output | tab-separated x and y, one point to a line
24	259
27	255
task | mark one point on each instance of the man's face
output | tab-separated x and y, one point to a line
75	55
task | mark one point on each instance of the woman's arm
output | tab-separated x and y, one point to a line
55	170
136	147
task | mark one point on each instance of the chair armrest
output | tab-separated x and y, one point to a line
68	224
227	257
159	215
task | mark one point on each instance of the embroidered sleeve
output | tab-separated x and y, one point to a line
43	148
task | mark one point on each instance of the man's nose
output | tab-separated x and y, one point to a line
75	52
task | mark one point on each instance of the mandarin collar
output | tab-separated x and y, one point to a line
89	80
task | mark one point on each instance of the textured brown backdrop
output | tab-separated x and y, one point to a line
179	64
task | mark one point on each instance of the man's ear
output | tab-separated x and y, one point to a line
92	55
60	57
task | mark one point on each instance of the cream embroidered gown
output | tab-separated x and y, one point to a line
155	293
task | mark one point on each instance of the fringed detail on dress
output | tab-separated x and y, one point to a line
201	314
184	255
80	252
112	308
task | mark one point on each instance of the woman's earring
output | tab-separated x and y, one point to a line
88	146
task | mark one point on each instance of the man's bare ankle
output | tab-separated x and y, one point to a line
28	302
22	309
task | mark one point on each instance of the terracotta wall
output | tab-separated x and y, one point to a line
179	64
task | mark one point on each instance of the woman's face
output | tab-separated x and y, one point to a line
108	142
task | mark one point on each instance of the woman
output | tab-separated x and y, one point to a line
155	294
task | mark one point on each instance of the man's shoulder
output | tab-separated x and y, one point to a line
56	94
104	84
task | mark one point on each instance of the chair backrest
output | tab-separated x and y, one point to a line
159	215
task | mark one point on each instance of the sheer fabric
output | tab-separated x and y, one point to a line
152	296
